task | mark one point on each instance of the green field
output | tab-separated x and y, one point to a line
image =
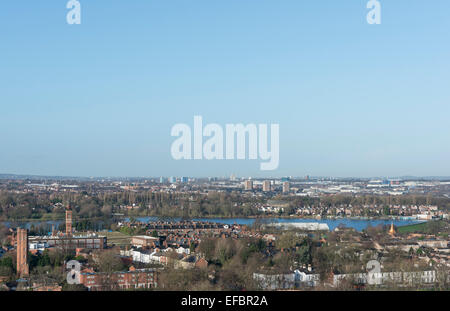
436	227
117	238
413	228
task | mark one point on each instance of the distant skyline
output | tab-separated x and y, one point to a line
99	99
62	178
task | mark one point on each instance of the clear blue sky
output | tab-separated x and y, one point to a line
100	98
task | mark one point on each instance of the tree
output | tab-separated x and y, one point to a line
303	253
6	271
225	250
109	262
7	266
442	277
192	247
184	280
287	240
323	260
207	247
7	261
4	232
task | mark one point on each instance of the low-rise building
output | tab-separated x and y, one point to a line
132	279
90	241
144	241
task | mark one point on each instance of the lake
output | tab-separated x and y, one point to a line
357	224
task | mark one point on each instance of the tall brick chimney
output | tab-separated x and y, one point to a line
22	253
68	221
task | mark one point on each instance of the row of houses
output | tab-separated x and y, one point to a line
131	279
298	279
189	238
179	258
170	225
424	212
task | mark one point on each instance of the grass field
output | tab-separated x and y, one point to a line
412	228
117	238
436	227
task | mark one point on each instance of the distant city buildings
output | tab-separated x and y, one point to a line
300	186
248	185
266	186
286	187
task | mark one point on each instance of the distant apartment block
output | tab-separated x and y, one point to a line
266	186
286	187
248	185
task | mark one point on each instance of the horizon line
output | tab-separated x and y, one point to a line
5	175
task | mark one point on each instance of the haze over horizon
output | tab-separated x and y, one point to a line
5	175
100	98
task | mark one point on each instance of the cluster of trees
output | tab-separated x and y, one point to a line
231	266
98	206
7	267
46	266
147	203
196	205
299	248
233	262
4	233
55	258
13	205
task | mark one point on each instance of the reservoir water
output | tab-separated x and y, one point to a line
357	224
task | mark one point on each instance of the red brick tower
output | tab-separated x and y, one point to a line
22	253
68	221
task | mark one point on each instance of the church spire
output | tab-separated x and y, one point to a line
392	230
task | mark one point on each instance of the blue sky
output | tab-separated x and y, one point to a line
100	98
